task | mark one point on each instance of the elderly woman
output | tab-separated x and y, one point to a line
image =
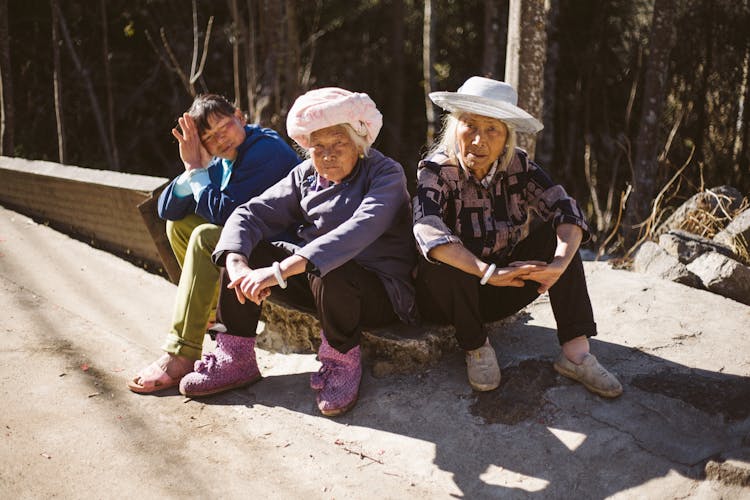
495	232
350	208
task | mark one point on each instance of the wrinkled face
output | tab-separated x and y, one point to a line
224	135
333	153
481	141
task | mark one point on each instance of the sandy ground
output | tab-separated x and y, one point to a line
79	321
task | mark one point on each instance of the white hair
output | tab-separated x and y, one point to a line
447	141
360	141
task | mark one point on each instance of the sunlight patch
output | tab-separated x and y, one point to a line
499	476
571	440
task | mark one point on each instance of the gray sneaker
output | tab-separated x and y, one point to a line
591	374
482	368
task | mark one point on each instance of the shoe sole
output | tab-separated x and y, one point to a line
484	388
335	412
224	388
572	375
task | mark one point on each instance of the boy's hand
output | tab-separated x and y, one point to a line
192	152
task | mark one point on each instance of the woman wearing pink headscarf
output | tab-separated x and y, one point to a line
349	208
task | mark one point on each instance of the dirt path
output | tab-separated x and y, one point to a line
79	321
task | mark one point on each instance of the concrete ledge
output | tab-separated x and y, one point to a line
97	206
393	349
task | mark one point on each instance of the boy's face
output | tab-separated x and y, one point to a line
224	135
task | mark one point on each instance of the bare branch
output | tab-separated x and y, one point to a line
197	75
195	40
176	65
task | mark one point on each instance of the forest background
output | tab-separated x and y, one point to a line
634	91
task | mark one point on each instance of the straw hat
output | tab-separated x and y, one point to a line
488	97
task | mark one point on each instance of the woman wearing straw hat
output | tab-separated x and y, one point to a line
350	208
494	232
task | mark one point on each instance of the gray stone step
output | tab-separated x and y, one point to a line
396	348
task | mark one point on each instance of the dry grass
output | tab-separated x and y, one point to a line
712	216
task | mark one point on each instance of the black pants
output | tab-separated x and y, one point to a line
448	295
346	299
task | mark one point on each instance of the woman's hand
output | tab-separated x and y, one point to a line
253	284
546	274
247	283
568	240
192	152
516	274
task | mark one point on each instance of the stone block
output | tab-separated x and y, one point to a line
396	348
723	276
714	201
654	260
737	234
688	246
731	468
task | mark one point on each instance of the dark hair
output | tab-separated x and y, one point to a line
206	105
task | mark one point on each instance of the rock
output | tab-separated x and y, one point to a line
731	468
287	329
399	348
723	275
737	235
715	201
652	259
688	246
396	348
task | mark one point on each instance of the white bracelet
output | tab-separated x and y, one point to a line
487	273
277	272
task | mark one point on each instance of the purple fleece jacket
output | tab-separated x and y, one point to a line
366	217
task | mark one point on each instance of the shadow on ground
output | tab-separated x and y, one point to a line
541	430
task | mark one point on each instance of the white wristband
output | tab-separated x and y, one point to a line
487	273
277	272
195	171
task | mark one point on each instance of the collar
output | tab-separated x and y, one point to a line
485	181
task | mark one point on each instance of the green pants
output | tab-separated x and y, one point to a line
193	241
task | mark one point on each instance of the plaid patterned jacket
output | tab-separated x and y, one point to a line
451	206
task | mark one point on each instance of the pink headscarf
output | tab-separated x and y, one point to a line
321	108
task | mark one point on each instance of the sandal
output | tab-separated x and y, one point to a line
154	378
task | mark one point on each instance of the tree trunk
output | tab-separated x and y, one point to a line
645	164
57	86
84	74
7	110
525	58
251	63
108	85
742	161
236	41
292	63
492	38
545	145
704	88
428	60
395	105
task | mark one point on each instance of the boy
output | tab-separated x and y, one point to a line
226	162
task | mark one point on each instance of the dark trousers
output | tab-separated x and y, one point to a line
448	295
346	299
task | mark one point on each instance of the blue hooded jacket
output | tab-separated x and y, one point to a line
262	160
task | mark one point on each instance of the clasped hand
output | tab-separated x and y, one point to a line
519	272
252	284
545	274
